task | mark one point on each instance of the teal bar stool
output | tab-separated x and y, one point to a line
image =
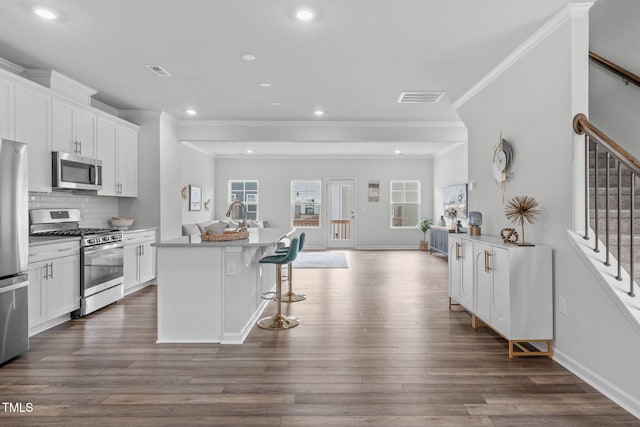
291	296
279	321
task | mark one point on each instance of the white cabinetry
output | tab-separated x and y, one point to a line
106	149
6	108
511	290
32	114
461	271
54	284
117	148
139	259
73	129
127	161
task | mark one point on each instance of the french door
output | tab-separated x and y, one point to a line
341	213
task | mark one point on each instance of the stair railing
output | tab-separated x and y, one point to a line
626	75
623	159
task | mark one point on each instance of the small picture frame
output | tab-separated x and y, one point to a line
195	198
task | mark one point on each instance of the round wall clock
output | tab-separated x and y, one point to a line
501	165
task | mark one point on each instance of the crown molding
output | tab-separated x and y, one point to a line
292	123
571	10
11	67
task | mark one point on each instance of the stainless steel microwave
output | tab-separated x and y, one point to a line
73	172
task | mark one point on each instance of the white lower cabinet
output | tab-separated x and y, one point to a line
54	284
139	258
461	271
511	290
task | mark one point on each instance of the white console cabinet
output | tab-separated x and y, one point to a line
507	287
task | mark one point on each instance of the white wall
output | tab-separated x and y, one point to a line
159	168
449	168
372	219
146	207
532	103
170	179
197	169
614	35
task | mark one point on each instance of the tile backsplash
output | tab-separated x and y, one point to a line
95	211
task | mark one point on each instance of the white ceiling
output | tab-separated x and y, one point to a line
353	60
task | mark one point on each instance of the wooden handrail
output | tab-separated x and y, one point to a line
626	75
581	125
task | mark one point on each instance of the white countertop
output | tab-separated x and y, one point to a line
46	240
257	237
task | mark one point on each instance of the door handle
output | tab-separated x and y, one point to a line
458	256
487	254
46	271
51	274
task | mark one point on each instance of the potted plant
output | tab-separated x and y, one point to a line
425	225
452	214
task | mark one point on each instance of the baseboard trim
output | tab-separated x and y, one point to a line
613	392
239	337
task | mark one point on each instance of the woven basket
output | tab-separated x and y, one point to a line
226	236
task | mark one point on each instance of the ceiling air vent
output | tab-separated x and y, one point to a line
159	70
419	97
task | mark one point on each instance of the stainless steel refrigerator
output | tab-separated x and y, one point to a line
14	249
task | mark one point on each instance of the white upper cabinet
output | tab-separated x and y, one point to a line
106	151
6	109
127	164
73	129
32	113
117	148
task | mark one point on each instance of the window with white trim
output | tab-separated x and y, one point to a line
405	203
245	191
305	203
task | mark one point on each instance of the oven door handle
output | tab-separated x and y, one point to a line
99	248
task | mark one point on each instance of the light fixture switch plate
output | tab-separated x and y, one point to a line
562	305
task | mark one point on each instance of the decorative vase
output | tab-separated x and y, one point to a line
453	225
442	222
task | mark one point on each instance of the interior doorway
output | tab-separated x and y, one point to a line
341	213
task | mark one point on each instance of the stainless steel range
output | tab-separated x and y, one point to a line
101	256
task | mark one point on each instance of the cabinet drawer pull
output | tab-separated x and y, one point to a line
487	254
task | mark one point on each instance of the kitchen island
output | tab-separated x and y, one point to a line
209	291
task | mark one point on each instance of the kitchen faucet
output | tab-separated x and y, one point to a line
237	202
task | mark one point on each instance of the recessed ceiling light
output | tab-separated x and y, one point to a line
264	84
249	151
248	57
45	13
398	152
305	15
319	113
275	104
191	112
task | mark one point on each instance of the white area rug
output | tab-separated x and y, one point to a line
321	260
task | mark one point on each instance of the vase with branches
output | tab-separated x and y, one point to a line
452	214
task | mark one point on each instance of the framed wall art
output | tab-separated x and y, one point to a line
195	198
455	196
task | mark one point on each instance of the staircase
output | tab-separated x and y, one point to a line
618	225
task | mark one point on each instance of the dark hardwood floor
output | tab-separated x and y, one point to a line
377	346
